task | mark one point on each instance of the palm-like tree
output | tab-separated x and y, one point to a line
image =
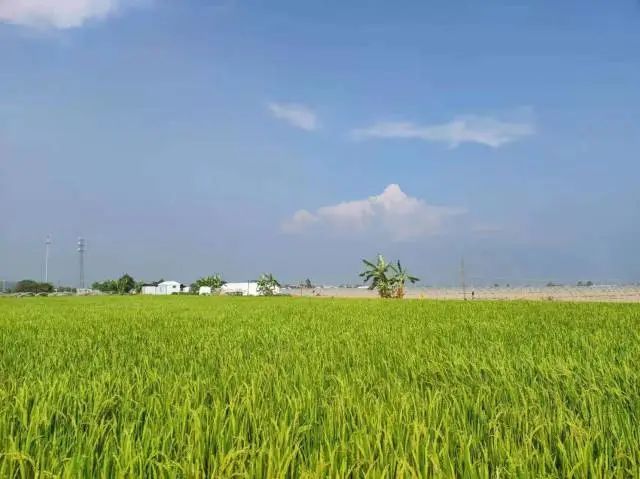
377	274
399	278
267	284
215	282
125	284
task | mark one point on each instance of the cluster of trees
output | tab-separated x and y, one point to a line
30	286
123	285
388	279
36	287
214	281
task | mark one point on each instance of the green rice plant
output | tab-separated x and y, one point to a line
295	387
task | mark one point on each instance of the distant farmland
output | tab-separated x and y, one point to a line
296	387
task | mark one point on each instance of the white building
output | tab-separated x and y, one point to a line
149	289
164	288
248	288
204	290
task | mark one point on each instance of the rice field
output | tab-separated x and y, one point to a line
297	387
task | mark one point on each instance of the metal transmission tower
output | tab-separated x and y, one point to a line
462	279
47	244
82	248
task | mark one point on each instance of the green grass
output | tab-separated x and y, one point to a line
289	387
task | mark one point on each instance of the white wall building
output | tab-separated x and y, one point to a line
165	288
169	287
247	288
148	289
204	290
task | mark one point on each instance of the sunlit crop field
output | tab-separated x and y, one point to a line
291	387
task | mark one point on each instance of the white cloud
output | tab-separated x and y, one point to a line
58	13
299	222
296	115
464	129
393	213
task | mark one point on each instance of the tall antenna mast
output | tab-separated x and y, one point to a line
47	244
462	281
82	247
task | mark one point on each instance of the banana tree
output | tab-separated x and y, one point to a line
377	273
399	278
268	285
215	282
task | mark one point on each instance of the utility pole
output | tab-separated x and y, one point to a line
47	244
82	247
462	281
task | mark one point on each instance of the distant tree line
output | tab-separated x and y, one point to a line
37	287
123	285
31	286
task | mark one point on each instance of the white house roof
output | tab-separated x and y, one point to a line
167	283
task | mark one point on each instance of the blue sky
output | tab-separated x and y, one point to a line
184	138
